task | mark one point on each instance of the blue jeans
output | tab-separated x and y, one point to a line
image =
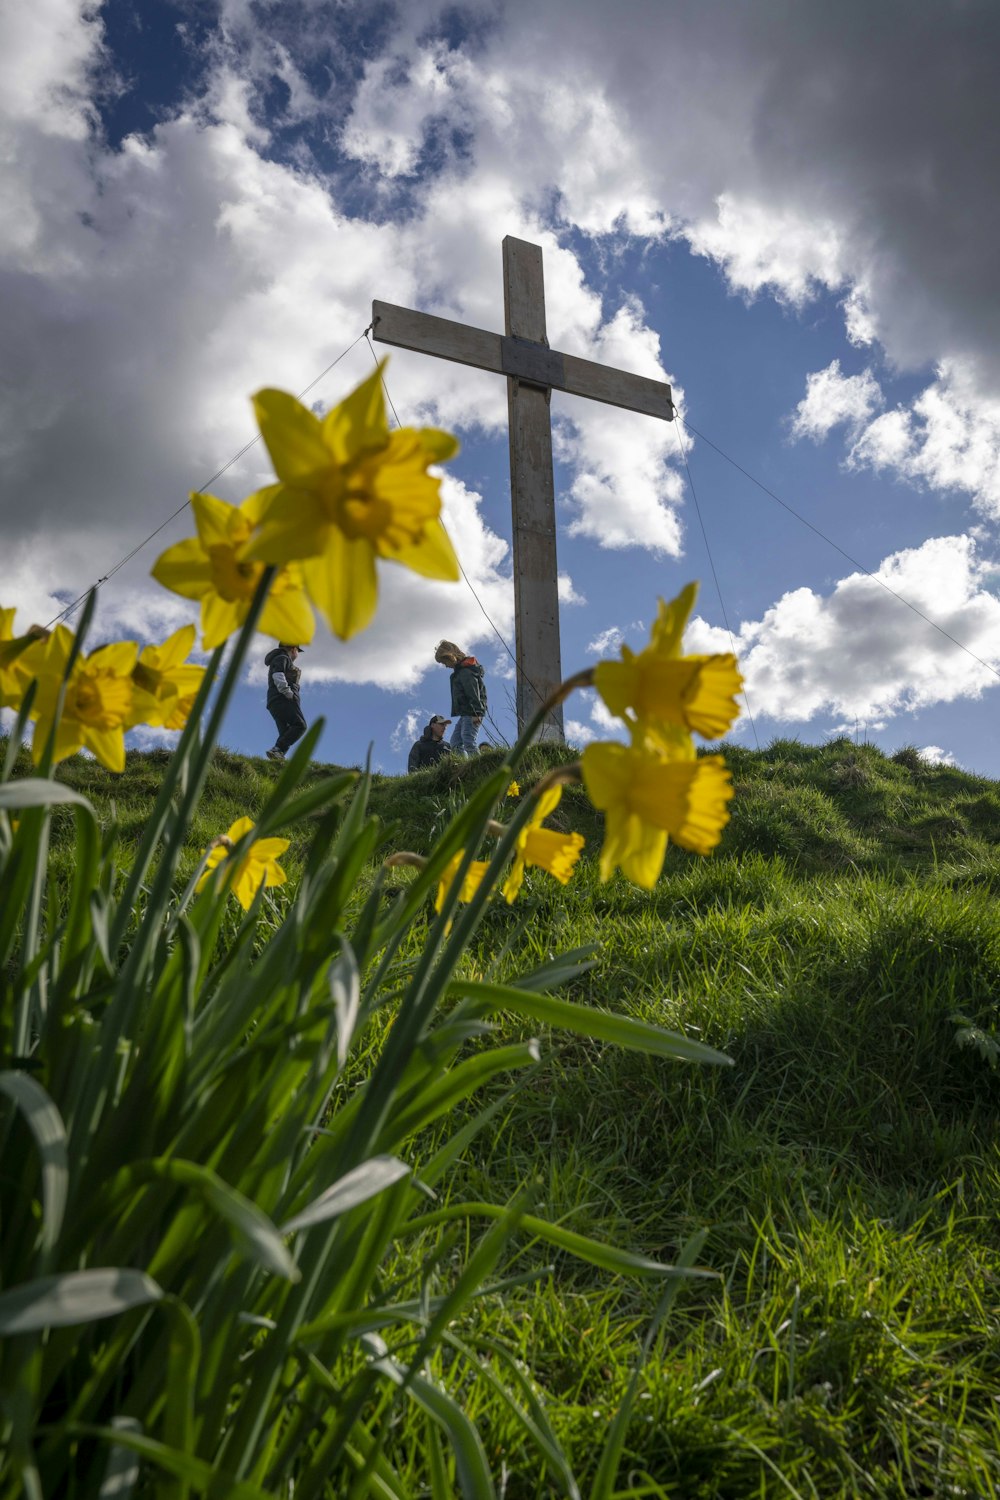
463	736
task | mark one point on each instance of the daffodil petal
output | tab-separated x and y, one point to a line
343	584
176	647
212	517
184	569
108	745
270	848
255	506
220	618
292	435
668	631
287	617
439	446
118	657
547	803
358	425
432	557
294	525
511	887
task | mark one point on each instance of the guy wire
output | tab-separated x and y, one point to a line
465	575
837	547
200	491
711	563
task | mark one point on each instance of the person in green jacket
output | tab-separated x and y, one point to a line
468	695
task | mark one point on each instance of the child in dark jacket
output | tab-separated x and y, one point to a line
468	695
283	678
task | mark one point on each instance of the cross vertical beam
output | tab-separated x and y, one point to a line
533	371
532	497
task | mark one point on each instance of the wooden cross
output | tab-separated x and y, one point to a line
533	371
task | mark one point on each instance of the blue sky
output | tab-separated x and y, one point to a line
790	215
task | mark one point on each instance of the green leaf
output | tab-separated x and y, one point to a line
579	1245
75	1297
607	1469
559	969
35	791
471	1467
446	1091
364	1182
46	1125
584	1020
345	991
253	1232
122	1470
204	1479
532	1416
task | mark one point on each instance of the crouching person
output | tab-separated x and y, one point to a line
430	748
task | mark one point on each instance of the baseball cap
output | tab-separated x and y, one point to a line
437	719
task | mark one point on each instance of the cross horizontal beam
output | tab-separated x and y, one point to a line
522	359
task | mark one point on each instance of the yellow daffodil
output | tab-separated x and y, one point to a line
545	848
165	685
350	491
470	883
212	567
256	867
513	790
98	705
647	798
666	691
13	678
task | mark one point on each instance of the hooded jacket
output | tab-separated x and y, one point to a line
426	751
281	672
468	690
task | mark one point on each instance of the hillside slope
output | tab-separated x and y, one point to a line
843	947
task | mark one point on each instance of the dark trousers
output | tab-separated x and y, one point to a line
290	721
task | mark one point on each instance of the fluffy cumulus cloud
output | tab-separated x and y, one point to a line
858	653
947	439
935	756
325	153
149	288
832	398
843	148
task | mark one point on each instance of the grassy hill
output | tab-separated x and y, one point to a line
843	947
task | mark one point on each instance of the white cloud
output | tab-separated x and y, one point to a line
145	737
567	591
935	756
578	734
602	722
607	641
149	289
831	399
860	653
949	439
409	728
171	278
763	245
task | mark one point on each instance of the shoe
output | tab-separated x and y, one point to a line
275	754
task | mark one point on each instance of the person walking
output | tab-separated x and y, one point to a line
468	695
283	678
430	748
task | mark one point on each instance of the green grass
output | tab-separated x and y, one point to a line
843	946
